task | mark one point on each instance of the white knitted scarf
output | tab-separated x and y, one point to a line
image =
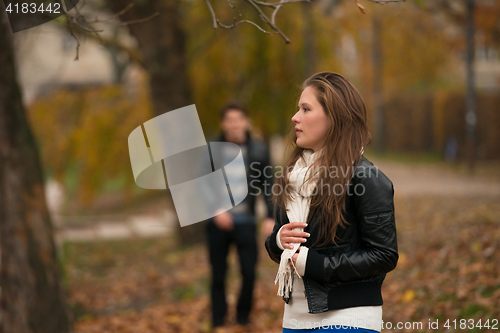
297	211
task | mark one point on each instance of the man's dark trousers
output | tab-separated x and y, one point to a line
244	236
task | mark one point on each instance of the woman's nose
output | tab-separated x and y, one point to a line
295	118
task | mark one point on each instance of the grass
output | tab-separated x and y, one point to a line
482	169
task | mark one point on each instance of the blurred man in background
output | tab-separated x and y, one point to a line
238	225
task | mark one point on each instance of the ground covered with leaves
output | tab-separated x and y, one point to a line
448	270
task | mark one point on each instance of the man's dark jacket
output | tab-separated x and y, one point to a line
350	273
258	169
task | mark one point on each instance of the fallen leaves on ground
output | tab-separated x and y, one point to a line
448	269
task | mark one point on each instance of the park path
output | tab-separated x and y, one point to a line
408	180
426	179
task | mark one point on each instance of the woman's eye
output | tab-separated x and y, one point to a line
306	109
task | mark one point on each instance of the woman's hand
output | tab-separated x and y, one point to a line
294	258
287	235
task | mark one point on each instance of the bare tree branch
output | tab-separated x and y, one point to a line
139	20
212	13
245	21
383	2
257	4
266	19
277	4
79	21
121	12
216	21
71	29
133	54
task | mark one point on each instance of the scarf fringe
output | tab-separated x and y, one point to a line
285	273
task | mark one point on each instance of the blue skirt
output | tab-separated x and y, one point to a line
331	328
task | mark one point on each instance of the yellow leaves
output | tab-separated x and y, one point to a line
83	135
173	319
442	272
403	260
152	275
476	247
409	296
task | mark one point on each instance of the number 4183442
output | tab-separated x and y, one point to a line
471	323
32	8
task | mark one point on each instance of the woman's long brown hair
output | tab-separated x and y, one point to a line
346	137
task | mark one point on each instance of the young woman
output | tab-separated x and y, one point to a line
334	235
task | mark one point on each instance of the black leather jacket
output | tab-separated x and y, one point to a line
350	273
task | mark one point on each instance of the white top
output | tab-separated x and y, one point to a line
297	314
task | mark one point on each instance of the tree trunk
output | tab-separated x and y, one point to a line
309	40
161	42
378	94
32	295
470	115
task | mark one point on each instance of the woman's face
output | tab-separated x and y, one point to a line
311	122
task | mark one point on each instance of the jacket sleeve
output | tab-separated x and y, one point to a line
271	245
378	250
